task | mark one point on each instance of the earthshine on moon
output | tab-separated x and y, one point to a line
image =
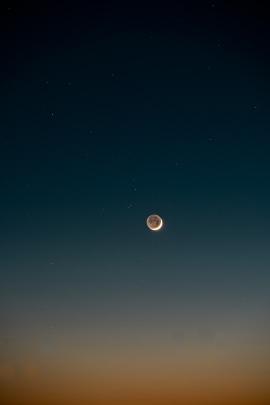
154	222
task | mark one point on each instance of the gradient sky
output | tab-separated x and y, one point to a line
110	113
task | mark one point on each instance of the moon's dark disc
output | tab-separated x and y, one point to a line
154	222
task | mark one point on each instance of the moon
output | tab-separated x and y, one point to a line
154	222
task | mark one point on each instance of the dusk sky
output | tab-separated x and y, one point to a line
111	112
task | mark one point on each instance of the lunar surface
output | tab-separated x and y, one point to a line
154	222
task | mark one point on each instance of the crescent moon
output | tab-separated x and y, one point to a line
154	222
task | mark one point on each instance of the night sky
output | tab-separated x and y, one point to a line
109	113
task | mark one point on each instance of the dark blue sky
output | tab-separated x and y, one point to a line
111	113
